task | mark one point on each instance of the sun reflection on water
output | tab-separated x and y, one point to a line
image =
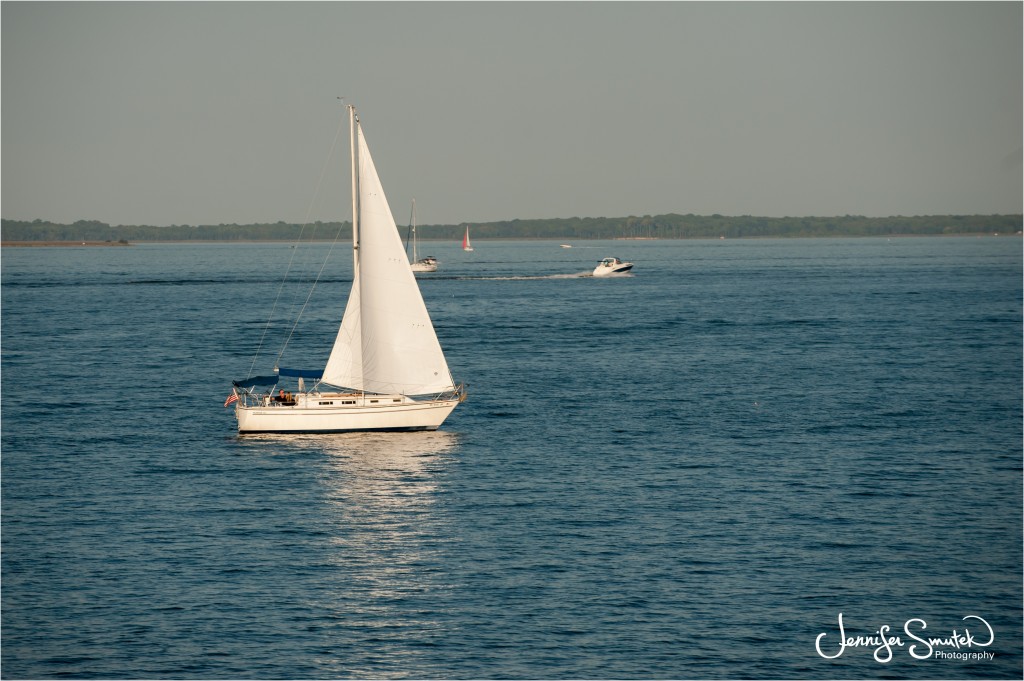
390	544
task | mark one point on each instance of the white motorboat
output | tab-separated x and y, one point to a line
386	370
611	266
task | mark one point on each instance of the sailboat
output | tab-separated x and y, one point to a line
466	246
428	264
386	370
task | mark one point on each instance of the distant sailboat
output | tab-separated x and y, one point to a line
428	264
386	370
466	246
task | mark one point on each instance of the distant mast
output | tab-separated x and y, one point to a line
466	246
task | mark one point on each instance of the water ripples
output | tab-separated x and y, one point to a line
684	473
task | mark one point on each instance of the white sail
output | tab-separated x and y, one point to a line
345	364
386	343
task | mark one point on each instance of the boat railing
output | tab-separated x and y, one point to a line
262	399
285	398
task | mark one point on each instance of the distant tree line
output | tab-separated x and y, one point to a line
92	230
671	226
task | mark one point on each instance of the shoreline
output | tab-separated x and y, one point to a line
119	244
64	244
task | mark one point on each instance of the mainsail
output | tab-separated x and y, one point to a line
386	343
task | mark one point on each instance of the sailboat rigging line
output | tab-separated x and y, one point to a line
309	295
294	249
408	232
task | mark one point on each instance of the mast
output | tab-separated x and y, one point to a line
353	122
386	342
414	230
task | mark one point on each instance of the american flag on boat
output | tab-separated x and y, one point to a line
233	397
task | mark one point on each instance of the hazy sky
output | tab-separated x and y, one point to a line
207	113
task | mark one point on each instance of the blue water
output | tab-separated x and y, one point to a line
685	473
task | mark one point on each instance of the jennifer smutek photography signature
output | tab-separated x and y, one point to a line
960	645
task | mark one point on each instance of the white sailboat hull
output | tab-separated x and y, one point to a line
405	416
